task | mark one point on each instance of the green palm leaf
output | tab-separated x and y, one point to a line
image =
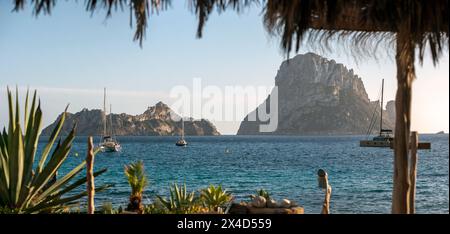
136	177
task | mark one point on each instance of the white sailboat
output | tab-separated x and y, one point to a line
109	142
385	137
181	141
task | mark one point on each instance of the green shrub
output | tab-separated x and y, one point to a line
263	193
215	197
137	180
181	201
107	208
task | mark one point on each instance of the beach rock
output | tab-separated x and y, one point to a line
239	208
294	204
318	96
285	203
296	210
155	121
271	203
259	202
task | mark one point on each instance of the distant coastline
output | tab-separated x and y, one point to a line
158	120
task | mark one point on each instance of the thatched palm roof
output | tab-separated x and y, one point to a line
360	21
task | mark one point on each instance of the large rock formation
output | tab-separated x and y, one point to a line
155	121
317	96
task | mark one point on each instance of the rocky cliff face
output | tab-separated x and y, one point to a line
390	110
155	121
317	96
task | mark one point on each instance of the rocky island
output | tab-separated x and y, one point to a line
155	121
317	96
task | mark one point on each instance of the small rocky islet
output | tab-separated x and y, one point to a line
318	96
157	120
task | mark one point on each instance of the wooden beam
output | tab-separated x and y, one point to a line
405	76
420	145
423	145
323	183
326	202
413	171
90	176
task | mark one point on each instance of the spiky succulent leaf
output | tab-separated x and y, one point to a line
27	189
51	141
215	197
180	201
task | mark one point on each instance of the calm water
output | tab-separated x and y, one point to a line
361	178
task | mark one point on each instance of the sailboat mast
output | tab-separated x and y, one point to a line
104	112
182	128
110	121
381	108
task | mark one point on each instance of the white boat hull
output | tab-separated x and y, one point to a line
110	147
181	143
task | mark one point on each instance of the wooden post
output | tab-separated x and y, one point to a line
90	175
326	202
323	183
413	171
405	76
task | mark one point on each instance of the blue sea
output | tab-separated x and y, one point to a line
286	166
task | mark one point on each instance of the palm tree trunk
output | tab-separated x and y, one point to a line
405	77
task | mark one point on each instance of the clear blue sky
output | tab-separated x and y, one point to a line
70	56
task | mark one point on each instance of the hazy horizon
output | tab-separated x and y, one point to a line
69	57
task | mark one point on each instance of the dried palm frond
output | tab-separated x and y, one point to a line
362	25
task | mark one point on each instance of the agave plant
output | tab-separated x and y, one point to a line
29	187
263	193
107	208
155	208
215	197
180	201
135	174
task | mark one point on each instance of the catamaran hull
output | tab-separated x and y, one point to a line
110	148
375	144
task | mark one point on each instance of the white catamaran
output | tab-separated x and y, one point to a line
385	137
181	141
109	142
